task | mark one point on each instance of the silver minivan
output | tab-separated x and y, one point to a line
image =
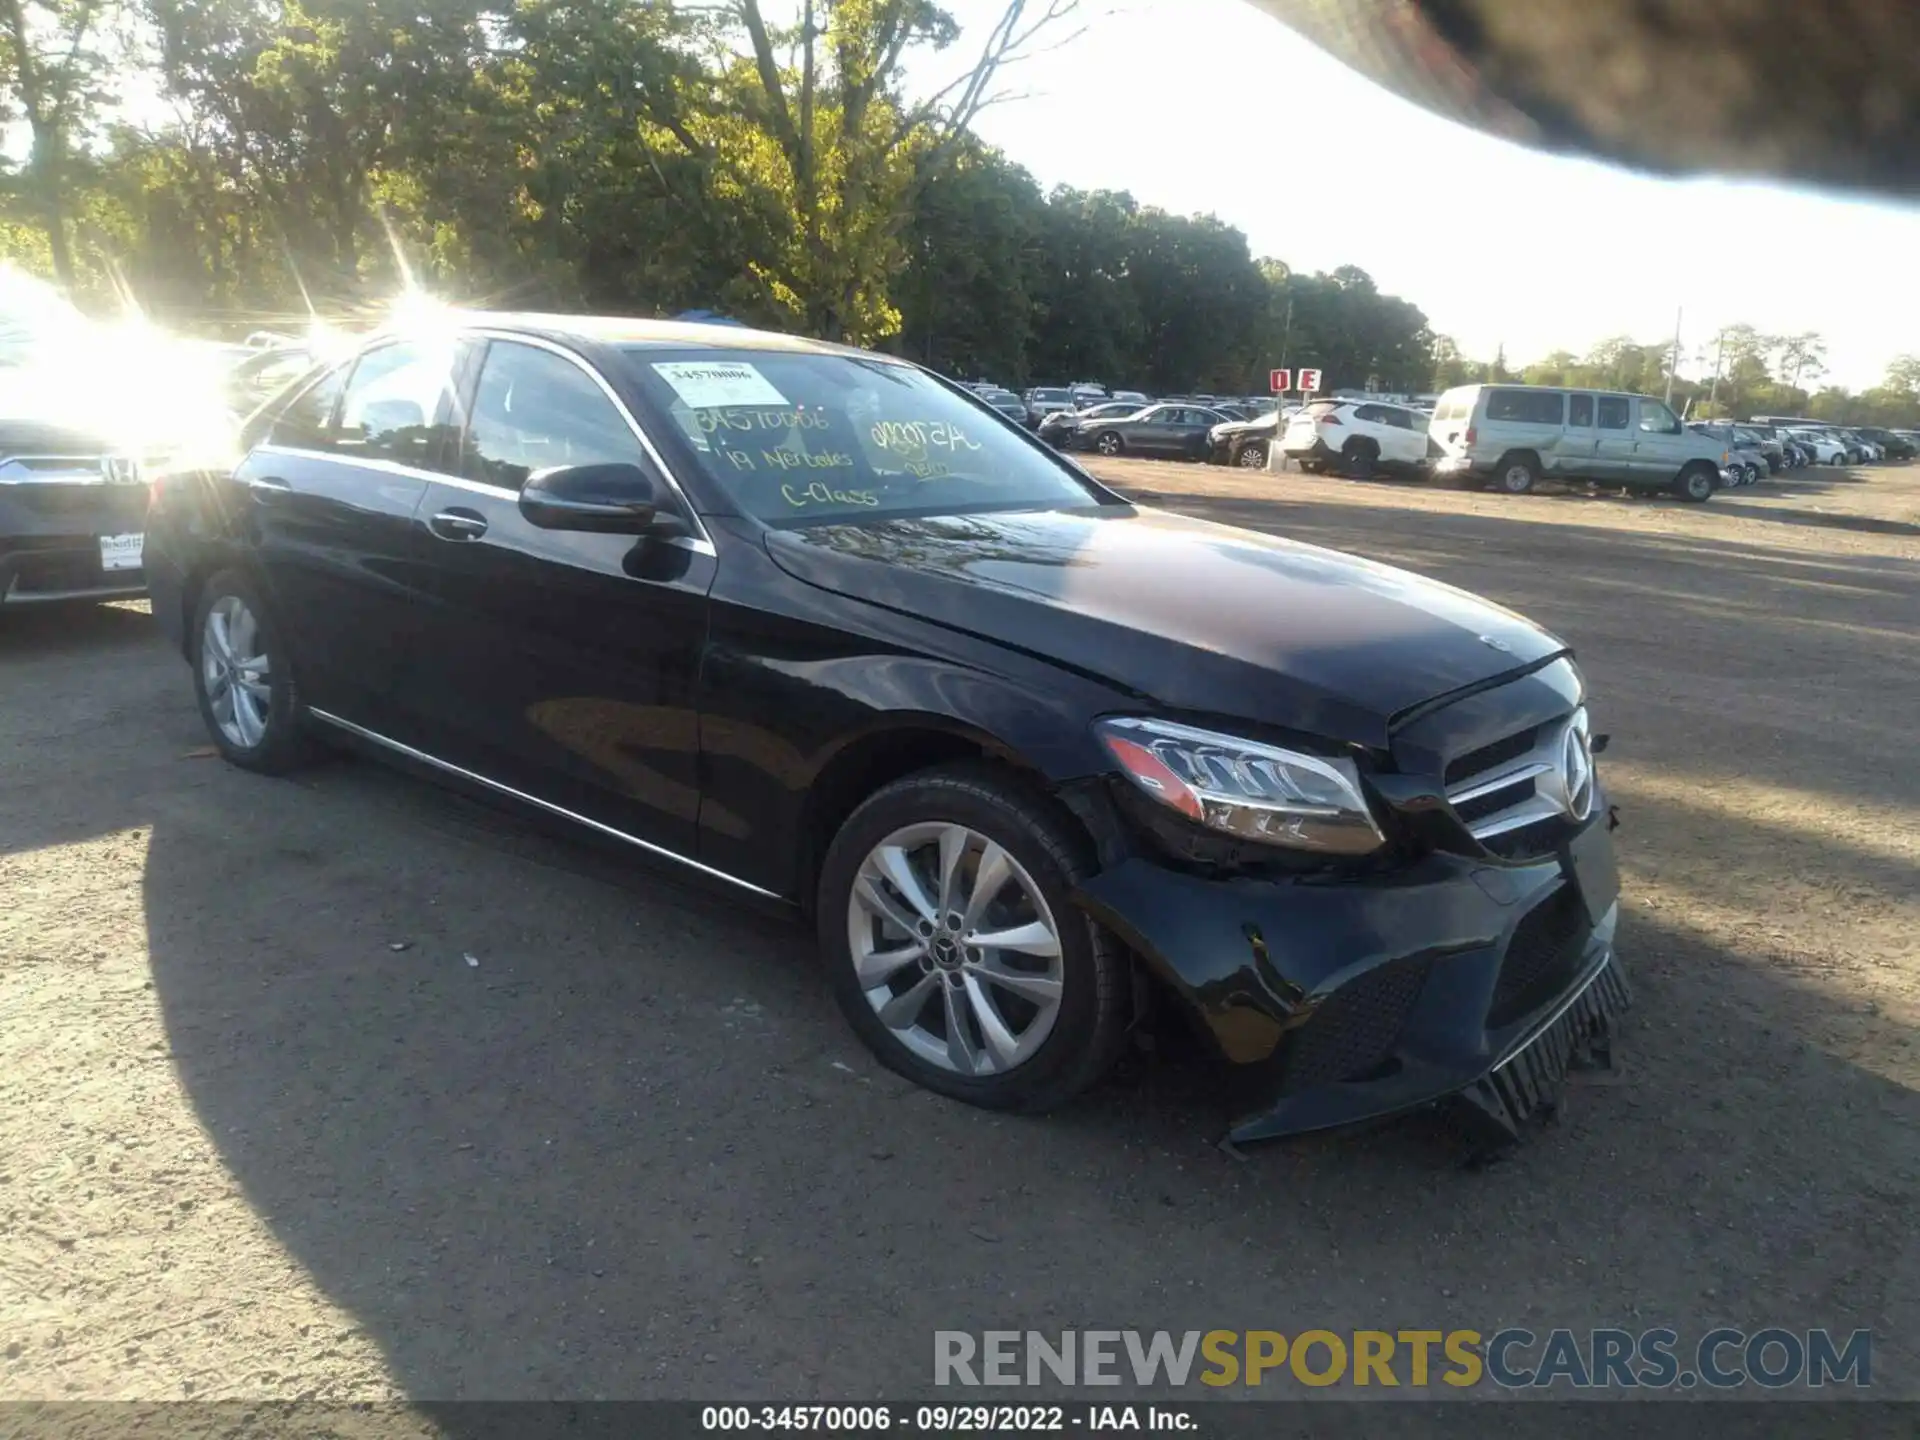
1512	436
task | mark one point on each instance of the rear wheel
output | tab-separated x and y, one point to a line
1359	457
1517	475
953	945
1695	484
243	678
1110	443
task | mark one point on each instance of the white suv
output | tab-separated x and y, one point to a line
1357	436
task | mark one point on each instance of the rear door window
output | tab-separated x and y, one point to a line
1580	411
1526	407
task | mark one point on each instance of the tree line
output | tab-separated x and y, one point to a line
231	163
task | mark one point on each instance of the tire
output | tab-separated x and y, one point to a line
1839	460
1081	1037
1109	443
1516	475
1695	484
1251	457
1359	457
254	723
1312	467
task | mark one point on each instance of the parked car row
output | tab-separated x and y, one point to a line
1037	404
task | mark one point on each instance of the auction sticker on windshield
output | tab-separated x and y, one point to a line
709	384
121	552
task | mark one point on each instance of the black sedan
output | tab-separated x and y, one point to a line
826	630
1176	432
1058	429
72	512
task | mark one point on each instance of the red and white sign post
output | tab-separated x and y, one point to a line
1309	381
1280	381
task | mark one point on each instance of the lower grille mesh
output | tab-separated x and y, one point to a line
1356	1026
1546	947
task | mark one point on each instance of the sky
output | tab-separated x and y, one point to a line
1213	106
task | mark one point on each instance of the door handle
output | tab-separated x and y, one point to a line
268	487
458	524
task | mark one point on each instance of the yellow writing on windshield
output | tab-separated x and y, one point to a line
713	421
792	460
914	439
820	493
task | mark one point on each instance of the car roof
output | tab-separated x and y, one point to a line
633	332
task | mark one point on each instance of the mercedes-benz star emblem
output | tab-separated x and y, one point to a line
1576	772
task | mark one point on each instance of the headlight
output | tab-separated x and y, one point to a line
1244	788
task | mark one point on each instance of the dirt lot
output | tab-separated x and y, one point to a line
249	1148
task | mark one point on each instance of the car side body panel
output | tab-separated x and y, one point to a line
795	677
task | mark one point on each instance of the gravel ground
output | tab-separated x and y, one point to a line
251	1148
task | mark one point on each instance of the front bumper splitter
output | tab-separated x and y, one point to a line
1528	1081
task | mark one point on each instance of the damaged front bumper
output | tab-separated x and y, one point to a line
1340	1000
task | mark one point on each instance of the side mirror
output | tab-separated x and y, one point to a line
611	499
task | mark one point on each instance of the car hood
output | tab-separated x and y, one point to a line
1189	615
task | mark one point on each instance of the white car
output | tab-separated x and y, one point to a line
1355	436
1827	449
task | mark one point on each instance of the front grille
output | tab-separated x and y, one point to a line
1545	951
1354	1029
1512	794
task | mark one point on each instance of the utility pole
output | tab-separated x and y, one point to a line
1673	363
1719	354
1286	339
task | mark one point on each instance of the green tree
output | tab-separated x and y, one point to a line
53	74
1450	367
974	268
816	115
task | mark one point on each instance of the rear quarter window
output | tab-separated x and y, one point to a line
1527	407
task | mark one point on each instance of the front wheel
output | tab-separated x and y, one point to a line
243	678
1252	457
953	945
1696	485
1109	443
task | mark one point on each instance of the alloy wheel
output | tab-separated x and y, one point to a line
955	949
1253	457
235	670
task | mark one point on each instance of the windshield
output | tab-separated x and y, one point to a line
796	439
1051	397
